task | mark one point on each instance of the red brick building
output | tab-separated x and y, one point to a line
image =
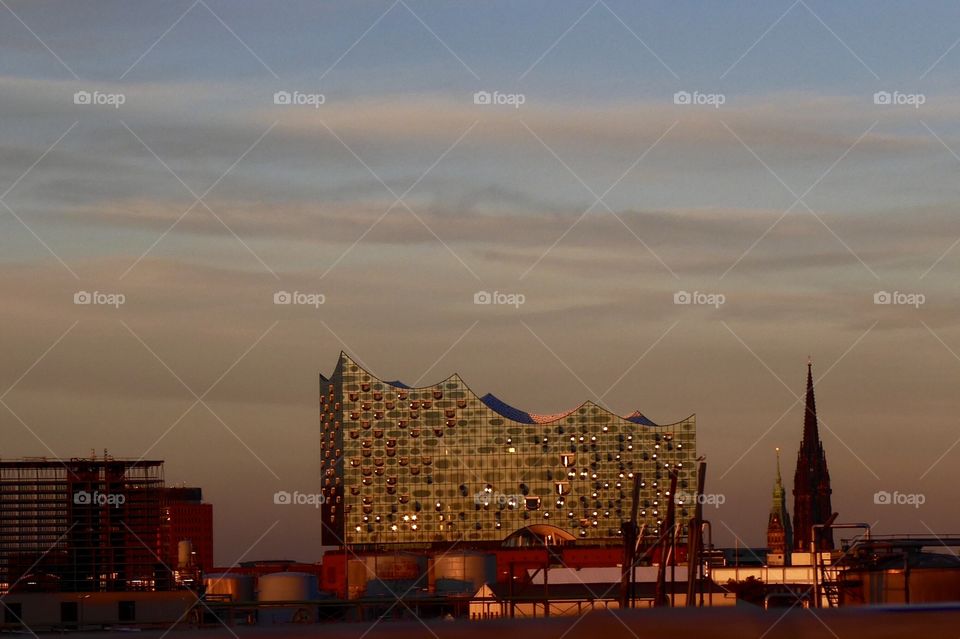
187	518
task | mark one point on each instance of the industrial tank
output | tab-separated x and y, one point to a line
184	554
227	585
913	578
461	572
291	587
287	586
357	577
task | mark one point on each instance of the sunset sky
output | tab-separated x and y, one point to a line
794	193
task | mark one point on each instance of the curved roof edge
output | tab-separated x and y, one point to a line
639	418
500	407
504	409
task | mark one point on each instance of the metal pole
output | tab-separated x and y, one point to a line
666	544
546	579
816	566
673	565
705	563
513	604
906	577
695	538
629	531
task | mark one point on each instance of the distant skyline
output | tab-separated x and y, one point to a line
784	214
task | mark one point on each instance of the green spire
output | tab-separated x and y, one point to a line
779	494
779	531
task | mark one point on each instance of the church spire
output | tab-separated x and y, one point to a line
811	430
811	483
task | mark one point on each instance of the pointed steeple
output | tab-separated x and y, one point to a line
811	431
779	531
778	492
811	482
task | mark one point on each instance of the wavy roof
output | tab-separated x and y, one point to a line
504	409
499	406
639	418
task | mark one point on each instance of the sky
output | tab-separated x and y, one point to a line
689	199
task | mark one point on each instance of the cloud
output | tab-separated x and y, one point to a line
692	241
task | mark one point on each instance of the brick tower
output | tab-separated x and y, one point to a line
779	533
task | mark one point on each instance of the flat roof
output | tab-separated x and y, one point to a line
47	462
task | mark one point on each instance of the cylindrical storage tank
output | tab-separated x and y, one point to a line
934	585
287	586
357	577
462	572
916	578
294	587
236	587
184	553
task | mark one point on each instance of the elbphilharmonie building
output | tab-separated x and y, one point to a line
439	464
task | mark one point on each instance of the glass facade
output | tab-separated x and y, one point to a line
437	464
81	525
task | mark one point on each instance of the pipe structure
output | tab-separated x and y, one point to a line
667	545
816	554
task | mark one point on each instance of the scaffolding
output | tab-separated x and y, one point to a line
82	525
